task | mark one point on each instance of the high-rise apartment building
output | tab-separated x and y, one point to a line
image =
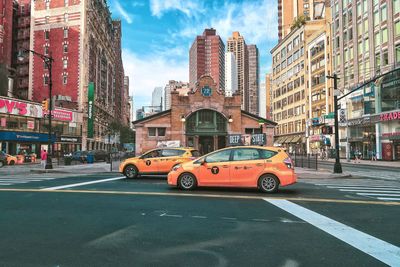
84	42
289	10
366	43
254	79
157	99
22	33
207	57
268	96
231	76
237	45
181	87
7	72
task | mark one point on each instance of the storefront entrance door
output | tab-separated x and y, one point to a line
206	144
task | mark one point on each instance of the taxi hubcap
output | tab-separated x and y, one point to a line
130	171
268	183
187	181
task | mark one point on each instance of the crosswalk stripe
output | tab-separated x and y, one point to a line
389	198
370	191
378	194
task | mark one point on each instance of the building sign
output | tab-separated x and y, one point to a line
3	122
173	143
315	138
395	115
90	109
31	125
15	107
247	139
26	137
67	139
206	91
60	115
391	136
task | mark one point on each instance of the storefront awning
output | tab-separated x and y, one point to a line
289	140
296	139
283	140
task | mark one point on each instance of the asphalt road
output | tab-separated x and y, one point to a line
100	220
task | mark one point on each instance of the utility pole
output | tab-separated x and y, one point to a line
337	167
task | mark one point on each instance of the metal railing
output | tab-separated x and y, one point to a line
309	161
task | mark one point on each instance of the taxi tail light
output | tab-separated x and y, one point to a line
289	163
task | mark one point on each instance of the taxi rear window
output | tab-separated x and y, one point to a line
195	153
266	154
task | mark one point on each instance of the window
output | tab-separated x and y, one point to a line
65	63
66	17
65	2
398	53
47	19
46	34
65	32
377	39
366	26
45	80
152	154
385	59
161	131
46	50
396	6
366	43
376	18
384	36
65	48
152	131
221	156
246	154
47	4
65	79
377	60
172	152
383	13
266	154
397	28
359	11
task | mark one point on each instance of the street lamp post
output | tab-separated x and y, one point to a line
48	60
337	167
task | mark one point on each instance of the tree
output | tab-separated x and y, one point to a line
299	21
126	134
3	80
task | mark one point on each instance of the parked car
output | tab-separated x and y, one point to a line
3	159
157	161
100	155
79	156
265	168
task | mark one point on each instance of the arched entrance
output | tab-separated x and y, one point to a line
206	130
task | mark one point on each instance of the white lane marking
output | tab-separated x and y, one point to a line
199	217
228	218
378	194
85	183
25	179
365	187
388	198
370	191
170	215
260	220
379	249
4	184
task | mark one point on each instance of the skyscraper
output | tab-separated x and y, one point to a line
157	98
207	57
231	77
181	87
254	79
237	45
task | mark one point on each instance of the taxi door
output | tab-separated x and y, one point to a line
170	157
149	162
215	171
247	166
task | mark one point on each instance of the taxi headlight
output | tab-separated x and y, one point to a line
176	167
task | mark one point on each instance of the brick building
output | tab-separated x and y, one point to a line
204	119
85	44
207	57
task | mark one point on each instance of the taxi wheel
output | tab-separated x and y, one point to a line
12	162
187	181
131	172
268	183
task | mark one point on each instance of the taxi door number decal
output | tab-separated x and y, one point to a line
215	170
148	162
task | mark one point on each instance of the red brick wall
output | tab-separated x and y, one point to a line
41	4
40	91
7	35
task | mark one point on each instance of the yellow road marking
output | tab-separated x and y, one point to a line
326	200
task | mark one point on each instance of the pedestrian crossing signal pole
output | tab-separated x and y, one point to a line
337	167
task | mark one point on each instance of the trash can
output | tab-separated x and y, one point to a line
67	160
90	158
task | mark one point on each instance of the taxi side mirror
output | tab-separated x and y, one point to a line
203	162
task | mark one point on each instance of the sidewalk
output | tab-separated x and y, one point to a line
304	173
391	164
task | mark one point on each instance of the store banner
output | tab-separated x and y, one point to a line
60	115
21	108
90	109
26	137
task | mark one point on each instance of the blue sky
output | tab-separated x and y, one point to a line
157	35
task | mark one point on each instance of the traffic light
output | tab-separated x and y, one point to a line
45	104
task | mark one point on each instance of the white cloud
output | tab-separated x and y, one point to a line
138	4
147	72
123	12
255	20
189	7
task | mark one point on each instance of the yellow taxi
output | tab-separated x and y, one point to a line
11	160
265	168
157	161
